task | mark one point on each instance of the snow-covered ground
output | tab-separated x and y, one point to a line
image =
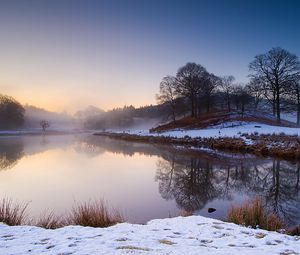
229	129
189	235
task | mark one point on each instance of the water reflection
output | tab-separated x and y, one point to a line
11	150
195	181
191	180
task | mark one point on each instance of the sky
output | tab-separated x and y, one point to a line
63	55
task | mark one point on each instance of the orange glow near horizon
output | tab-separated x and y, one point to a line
72	102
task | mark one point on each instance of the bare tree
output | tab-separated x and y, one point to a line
190	79
226	86
255	88
44	124
167	93
241	97
209	86
276	69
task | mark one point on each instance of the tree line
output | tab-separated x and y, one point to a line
274	78
11	113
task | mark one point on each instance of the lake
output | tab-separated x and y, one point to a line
143	181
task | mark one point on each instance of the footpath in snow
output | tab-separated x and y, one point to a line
181	235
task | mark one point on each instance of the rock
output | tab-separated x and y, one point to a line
211	210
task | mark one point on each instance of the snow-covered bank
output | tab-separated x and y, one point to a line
229	129
189	235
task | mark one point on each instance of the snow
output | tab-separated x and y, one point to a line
232	129
181	235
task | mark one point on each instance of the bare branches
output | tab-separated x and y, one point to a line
275	70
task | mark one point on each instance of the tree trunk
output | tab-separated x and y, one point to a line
207	106
243	109
277	104
228	103
298	107
273	104
173	113
193	108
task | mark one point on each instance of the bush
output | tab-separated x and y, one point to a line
94	214
49	221
11	213
252	214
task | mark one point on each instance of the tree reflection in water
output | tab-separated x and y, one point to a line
192	179
196	180
11	150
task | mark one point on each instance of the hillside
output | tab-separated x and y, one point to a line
207	120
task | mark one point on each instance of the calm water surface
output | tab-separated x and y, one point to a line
143	181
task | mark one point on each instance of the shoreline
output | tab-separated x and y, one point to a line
280	146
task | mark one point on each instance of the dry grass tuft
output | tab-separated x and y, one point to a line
12	213
252	214
130	247
185	213
49	221
94	214
165	241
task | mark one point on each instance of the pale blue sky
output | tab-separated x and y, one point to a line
66	54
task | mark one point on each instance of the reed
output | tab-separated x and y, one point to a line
12	213
252	214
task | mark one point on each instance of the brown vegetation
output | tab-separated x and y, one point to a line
276	145
253	214
94	214
11	213
50	221
215	118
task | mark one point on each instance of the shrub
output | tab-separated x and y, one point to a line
12	213
49	221
94	214
252	214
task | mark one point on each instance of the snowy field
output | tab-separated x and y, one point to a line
229	129
189	235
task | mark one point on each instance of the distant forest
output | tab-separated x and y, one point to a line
274	86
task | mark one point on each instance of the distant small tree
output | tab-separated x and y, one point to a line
226	86
241	97
208	88
44	124
245	99
167	93
255	88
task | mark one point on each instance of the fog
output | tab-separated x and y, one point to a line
93	118
61	121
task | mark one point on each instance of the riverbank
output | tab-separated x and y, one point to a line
258	139
180	235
